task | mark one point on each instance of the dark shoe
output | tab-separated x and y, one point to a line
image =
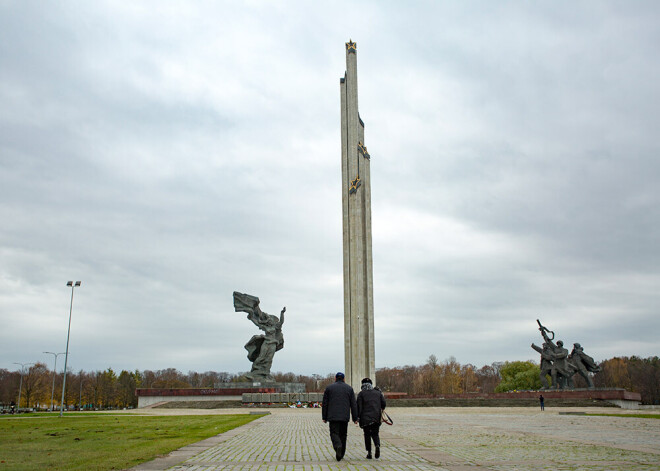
369	455
343	452
377	454
338	454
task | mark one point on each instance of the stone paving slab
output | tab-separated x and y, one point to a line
518	439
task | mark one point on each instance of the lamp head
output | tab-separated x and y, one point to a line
69	283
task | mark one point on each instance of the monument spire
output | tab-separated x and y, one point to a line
359	349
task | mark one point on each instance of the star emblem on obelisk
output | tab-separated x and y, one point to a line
351	46
363	149
355	184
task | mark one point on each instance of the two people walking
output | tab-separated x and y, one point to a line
340	406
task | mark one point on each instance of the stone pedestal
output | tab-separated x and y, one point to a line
617	396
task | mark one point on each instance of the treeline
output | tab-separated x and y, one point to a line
99	389
109	389
636	374
436	378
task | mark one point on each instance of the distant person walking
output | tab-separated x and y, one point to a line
541	400
338	407
370	403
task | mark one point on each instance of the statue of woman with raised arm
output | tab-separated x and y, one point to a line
261	348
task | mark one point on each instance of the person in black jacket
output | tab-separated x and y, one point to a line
371	404
338	407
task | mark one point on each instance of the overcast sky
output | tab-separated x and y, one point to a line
169	153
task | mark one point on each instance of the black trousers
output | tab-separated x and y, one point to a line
371	433
338	432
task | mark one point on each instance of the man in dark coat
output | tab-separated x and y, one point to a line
338	407
371	404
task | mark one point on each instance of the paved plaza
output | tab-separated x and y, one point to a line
454	439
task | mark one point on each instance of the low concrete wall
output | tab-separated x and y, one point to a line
144	401
229	392
623	404
649	407
280	398
615	396
604	394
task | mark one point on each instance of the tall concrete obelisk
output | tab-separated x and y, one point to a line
359	353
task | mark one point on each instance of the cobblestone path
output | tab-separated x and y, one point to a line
437	439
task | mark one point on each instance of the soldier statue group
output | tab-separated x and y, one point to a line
562	366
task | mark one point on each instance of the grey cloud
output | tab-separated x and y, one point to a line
168	156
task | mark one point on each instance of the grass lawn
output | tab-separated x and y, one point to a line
639	416
102	442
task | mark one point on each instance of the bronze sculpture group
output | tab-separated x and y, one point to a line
562	366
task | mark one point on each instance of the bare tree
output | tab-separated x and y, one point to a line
34	384
9	382
127	383
170	378
488	378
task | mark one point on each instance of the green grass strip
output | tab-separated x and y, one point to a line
25	415
102	442
638	416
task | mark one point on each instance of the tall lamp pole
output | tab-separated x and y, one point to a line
52	391
20	387
66	353
80	400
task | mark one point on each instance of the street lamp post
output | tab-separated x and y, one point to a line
80	400
20	386
52	391
66	353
